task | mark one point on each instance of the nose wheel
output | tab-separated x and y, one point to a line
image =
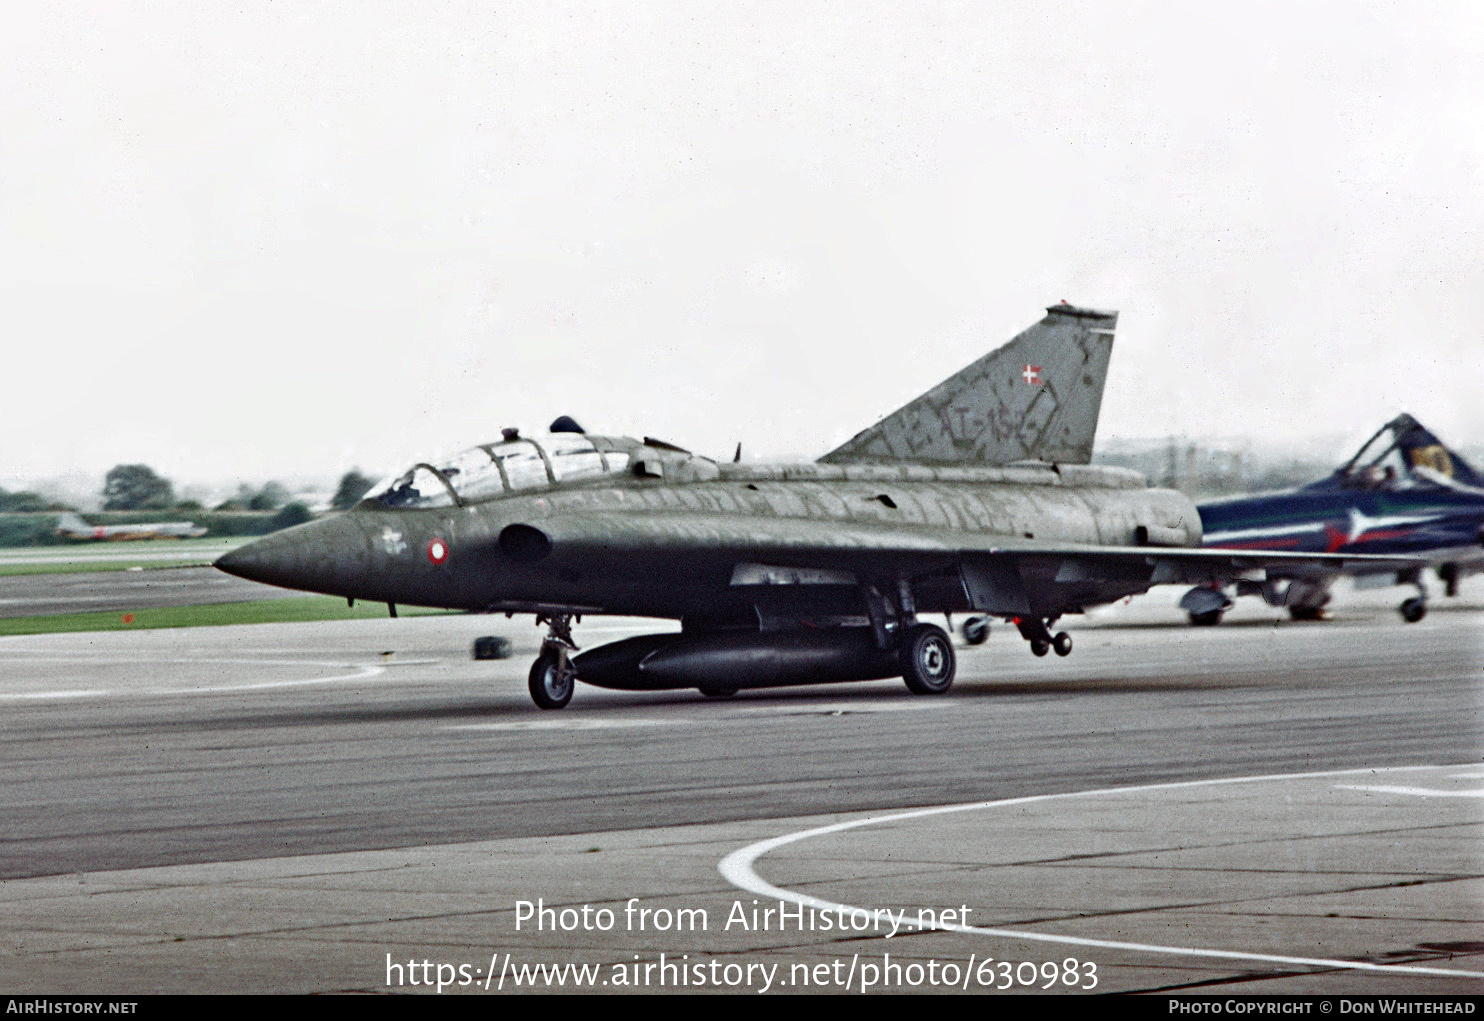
553	678
1414	609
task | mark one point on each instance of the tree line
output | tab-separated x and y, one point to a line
136	488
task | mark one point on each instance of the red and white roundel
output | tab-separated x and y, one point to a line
437	550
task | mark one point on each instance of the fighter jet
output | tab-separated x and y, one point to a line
975	498
1402	493
70	526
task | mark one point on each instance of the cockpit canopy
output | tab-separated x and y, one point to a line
496	469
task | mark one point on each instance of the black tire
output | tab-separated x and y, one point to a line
551	687
1308	613
927	659
1413	610
975	630
1208	619
1062	644
1039	648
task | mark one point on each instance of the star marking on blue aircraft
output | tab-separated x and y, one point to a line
1368	529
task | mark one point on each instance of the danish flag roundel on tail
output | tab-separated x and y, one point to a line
1032	375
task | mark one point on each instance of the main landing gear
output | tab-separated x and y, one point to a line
1415	608
927	659
924	651
1038	633
552	675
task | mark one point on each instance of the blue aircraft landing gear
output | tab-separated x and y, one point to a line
1038	633
1415	608
552	678
1448	575
1205	604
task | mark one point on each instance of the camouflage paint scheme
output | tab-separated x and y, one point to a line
974	498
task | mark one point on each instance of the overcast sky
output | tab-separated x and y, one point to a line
267	240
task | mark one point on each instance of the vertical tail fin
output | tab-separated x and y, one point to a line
1036	398
1422	449
70	524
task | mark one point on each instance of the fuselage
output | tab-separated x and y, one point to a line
451	555
1439	523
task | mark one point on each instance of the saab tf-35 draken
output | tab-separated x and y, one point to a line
977	497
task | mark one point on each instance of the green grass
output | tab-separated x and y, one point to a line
78	566
265	611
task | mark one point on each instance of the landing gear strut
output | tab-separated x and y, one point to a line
1415	608
1038	633
552	676
924	651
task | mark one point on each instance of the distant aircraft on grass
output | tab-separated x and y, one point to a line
71	526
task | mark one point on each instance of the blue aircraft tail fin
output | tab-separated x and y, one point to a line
1421	449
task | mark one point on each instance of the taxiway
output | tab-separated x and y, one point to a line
297	807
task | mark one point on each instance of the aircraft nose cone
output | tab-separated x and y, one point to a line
273	560
316	557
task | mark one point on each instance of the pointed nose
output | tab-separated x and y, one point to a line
321	556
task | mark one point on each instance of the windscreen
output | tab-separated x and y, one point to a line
418	487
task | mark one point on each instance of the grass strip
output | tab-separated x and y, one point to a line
263	611
82	566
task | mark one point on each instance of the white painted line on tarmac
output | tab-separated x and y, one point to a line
78	693
737	869
1421	792
357	672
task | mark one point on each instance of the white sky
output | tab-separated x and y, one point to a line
280	239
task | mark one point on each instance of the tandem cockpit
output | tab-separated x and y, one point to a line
515	464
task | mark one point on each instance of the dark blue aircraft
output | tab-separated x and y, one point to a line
1403	493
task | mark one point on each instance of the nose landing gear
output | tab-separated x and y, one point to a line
1415	608
552	677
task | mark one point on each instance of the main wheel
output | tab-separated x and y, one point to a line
1308	613
1208	619
1413	610
551	686
927	659
1062	643
976	630
1039	648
